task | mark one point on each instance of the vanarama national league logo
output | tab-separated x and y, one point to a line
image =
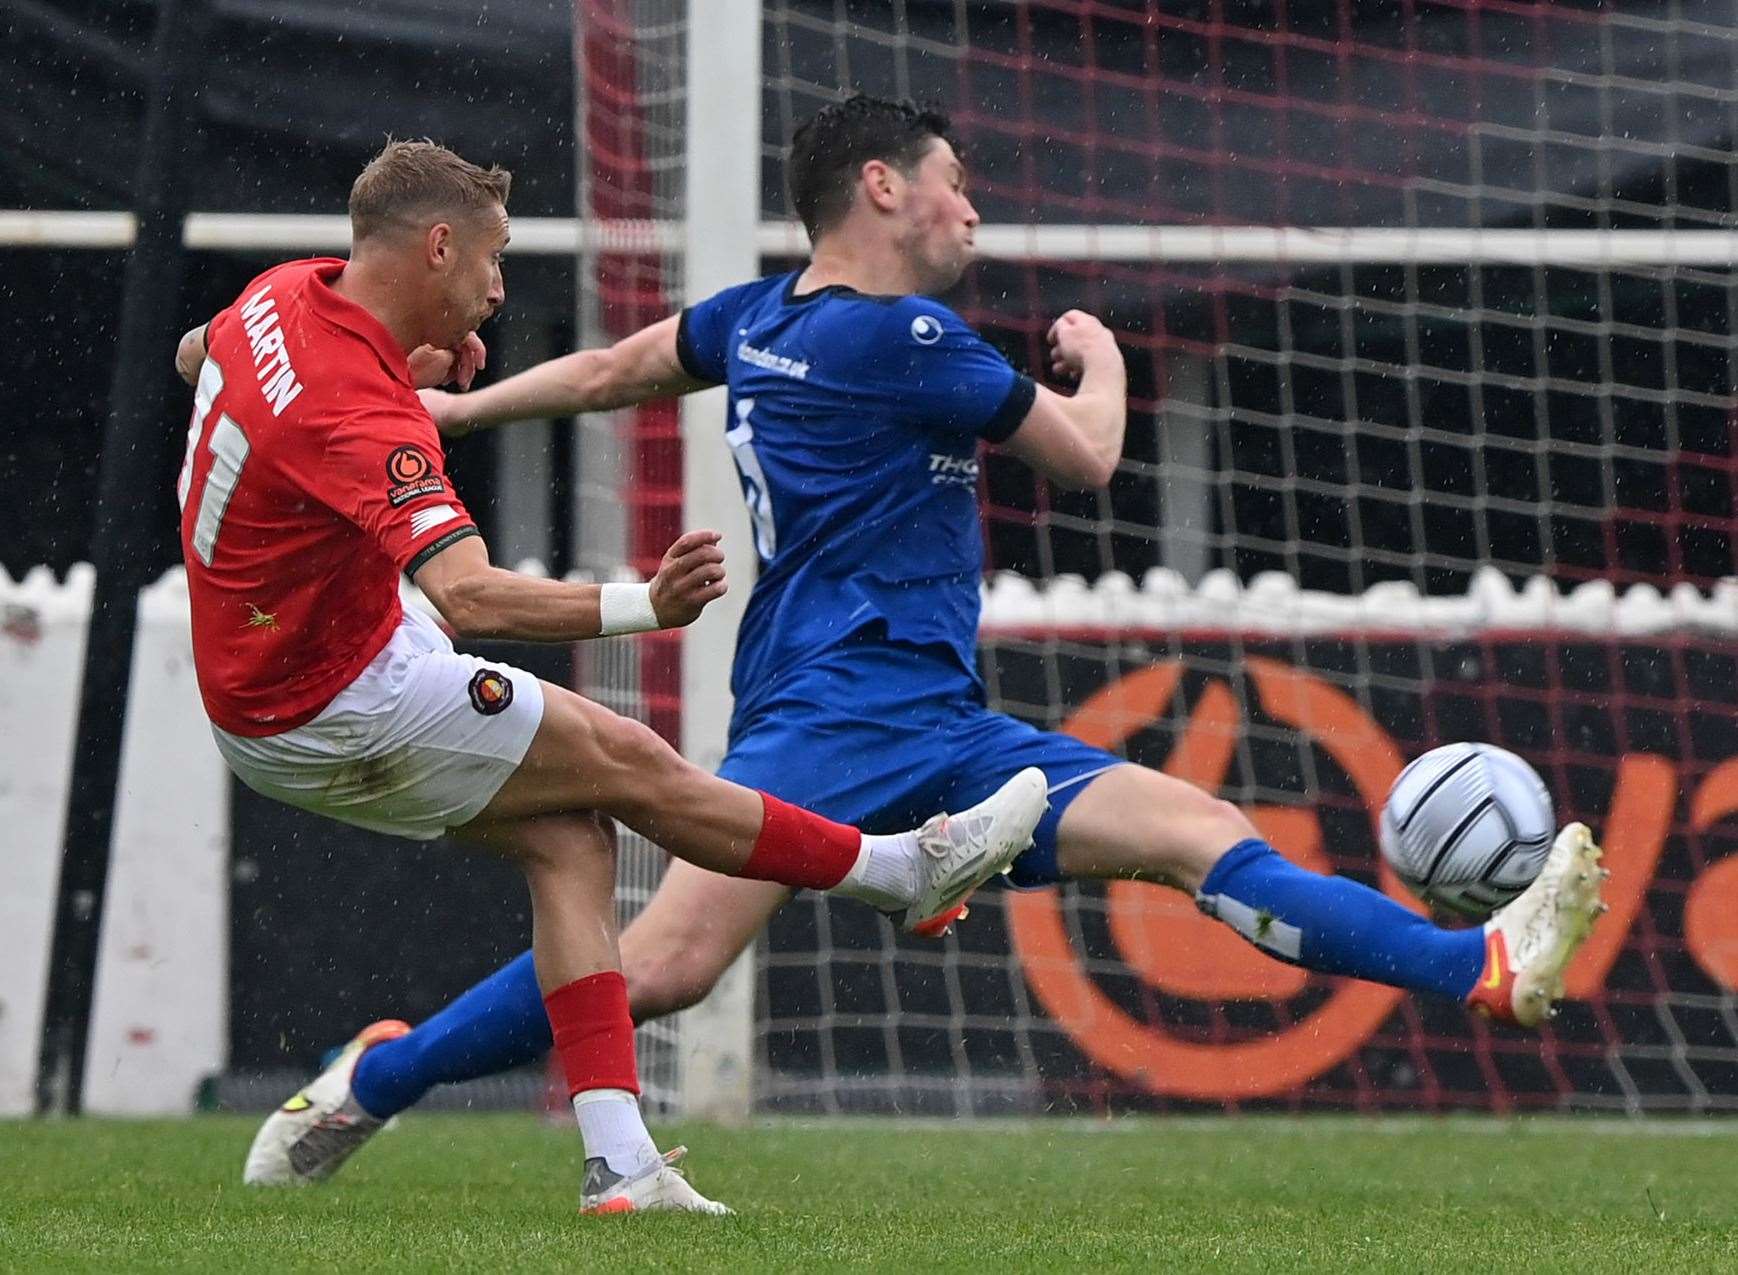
410	475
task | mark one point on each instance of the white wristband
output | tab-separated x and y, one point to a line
626	608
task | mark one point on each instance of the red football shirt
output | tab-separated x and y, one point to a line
313	478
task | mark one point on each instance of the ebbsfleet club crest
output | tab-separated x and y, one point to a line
491	692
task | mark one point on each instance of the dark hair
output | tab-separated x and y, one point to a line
412	180
829	150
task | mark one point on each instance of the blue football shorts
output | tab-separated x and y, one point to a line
885	772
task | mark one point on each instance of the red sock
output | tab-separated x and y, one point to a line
594	1037
800	849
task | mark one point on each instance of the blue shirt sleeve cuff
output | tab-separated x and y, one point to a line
686	353
1012	412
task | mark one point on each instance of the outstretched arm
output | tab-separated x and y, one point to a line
637	368
1076	440
480	600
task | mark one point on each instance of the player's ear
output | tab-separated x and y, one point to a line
882	183
438	247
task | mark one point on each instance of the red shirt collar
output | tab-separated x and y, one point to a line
344	313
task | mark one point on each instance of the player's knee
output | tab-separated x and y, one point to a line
582	842
1203	828
672	959
635	754
665	979
1204	820
1230	821
1215	826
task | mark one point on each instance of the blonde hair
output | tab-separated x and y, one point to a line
411	181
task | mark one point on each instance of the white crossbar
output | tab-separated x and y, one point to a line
1299	245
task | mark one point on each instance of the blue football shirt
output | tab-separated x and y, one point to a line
854	422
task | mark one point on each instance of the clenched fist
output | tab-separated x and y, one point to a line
430	367
1075	339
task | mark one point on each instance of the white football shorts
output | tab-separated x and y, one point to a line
419	743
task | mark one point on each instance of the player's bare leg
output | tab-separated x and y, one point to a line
585	757
1137	823
696	924
1132	822
569	866
569	863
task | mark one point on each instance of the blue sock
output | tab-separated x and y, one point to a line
1336	926
498	1024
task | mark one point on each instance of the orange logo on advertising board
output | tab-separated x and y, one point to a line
1162	939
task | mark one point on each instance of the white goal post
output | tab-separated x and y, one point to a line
715	1047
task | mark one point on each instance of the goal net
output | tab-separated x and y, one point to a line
1428	313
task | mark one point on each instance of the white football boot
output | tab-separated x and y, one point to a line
308	1139
1529	943
962	851
660	1186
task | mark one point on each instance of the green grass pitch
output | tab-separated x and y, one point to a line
497	1193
